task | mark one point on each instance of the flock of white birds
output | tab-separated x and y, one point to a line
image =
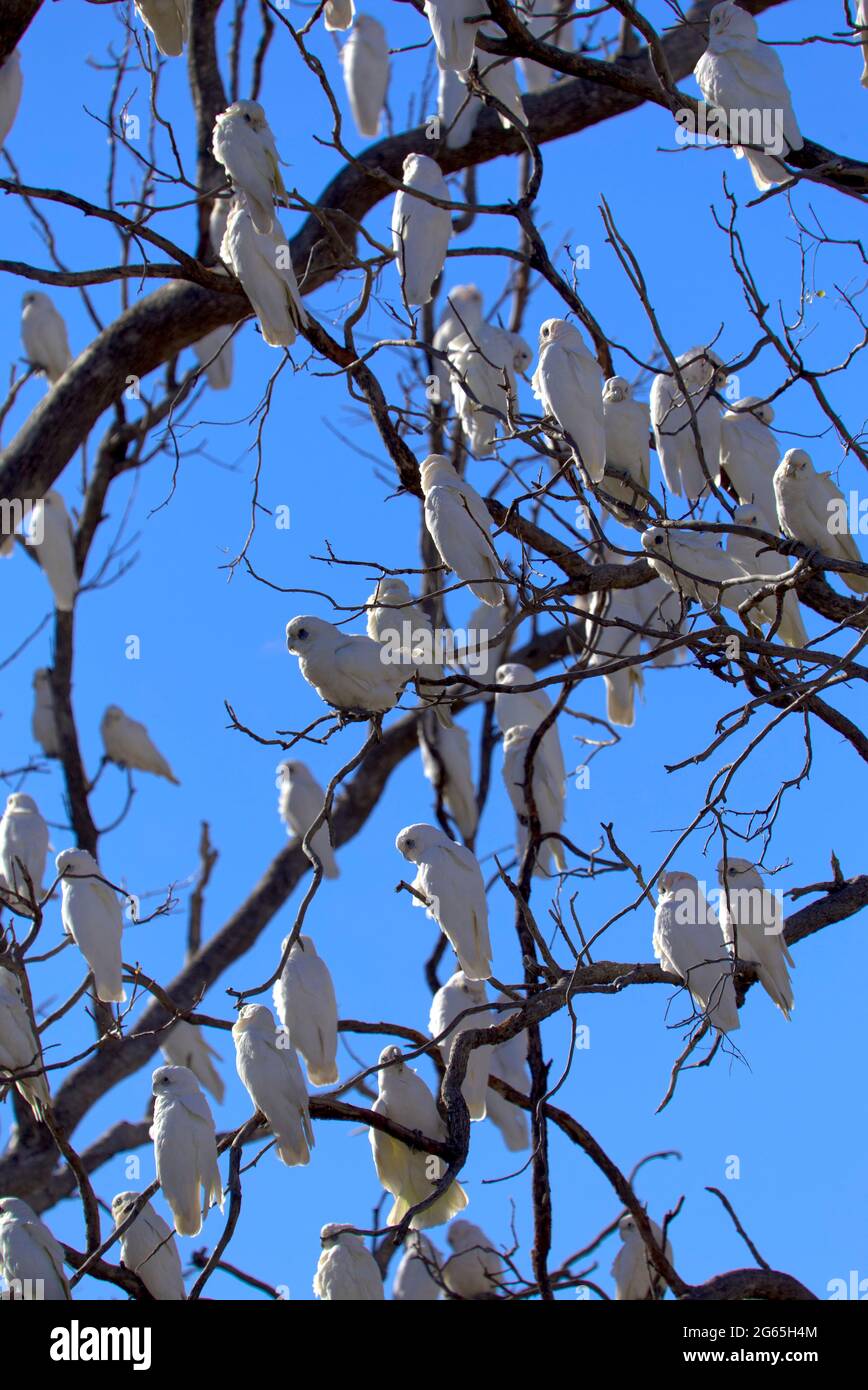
601	427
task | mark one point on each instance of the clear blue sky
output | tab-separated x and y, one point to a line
787	1106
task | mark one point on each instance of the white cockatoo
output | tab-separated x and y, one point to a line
451	880
628	430
459	524
217	219
674	425
610	636
739	74
19	1046
300	802
753	928
11	83
185	1148
509	1062
262	261
216	356
547	791
474	1268
347	1271
148	1248
635	1276
684	561
365	63
420	230
31	1260
757	559
749	452
462	315
457	107
499	78
269	1068
485	644
410	1175
530	707
168	21
569	384
346	669
305	1003
43	723
128	744
338	14
243	142
446	764
91	915
454	24
23	845
53	543
394	618
483	372
43	333
862	26
812	509
417	1275
541	18
688	942
452	999
185	1045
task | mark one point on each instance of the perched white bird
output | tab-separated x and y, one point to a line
452	999
410	1175
753	928
394	618
30	1258
23	845
739	74
474	1269
446	764
688	942
462	315
168	21
91	915
628	428
365	63
217	219
457	106
459	524
19	1045
305	1003
454	35
610	636
263	264
128	743
498	77
43	333
749	452
416	1278
483	372
547	791
420	230
485	644
635	1276
529	707
346	669
569	384
243	142
11	83
685	474
758	559
44	724
300	802
216	356
148	1248
508	1119
862	24
347	1271
541	18
509	1062
685	561
812	509
53	544
185	1045
269	1068
451	880
338	14
185	1148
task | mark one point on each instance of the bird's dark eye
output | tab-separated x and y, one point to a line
658	540
247	118
411	844
302	632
